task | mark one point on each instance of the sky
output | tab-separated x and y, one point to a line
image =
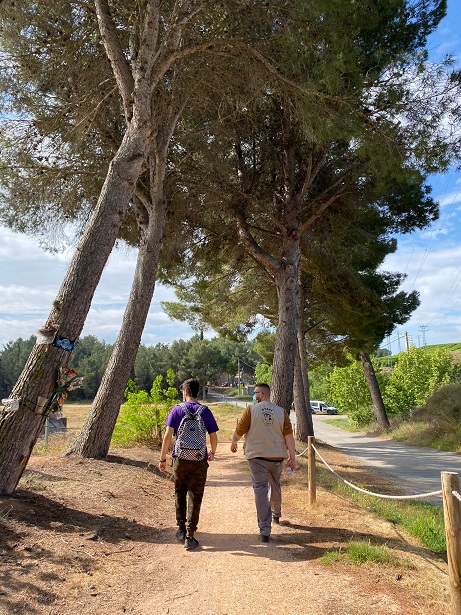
31	277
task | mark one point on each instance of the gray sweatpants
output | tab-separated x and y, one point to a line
265	476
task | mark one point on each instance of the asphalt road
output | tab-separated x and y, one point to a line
413	469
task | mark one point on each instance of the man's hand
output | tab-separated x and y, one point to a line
233	446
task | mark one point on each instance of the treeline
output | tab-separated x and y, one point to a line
207	360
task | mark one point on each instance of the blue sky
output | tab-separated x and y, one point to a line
30	277
431	258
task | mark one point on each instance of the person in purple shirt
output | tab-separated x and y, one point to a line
189	476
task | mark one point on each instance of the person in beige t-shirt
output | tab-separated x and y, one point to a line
268	442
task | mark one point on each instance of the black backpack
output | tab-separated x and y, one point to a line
191	435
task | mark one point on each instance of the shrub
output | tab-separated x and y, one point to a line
417	375
142	417
351	394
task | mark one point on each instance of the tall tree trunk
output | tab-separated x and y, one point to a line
94	439
19	428
285	338
304	423
378	404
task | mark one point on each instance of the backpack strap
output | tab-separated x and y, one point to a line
198	412
185	408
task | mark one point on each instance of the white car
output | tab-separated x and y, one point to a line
321	406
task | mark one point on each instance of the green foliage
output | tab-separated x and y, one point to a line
142	416
265	346
263	373
382	352
350	393
12	360
331	557
206	360
343	423
89	360
319	384
416	375
362	552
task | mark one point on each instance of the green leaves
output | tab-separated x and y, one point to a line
416	375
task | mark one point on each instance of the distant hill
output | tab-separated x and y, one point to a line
391	359
450	347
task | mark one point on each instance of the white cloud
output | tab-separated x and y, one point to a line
30	280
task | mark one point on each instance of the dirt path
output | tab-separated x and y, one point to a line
232	572
98	537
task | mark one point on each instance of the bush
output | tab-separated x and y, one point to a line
351	394
417	375
437	424
142	417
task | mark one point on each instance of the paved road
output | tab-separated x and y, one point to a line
414	469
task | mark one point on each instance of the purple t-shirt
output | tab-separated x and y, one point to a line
176	414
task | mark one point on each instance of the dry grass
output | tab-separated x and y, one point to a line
226	415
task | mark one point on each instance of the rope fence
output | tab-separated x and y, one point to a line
450	493
377	495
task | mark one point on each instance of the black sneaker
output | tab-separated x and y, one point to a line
190	543
181	535
263	538
276	520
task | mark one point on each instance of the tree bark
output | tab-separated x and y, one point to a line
19	429
94	439
285	339
304	423
378	404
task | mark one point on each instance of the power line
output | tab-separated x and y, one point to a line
423	329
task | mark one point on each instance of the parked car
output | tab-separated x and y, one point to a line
321	406
318	406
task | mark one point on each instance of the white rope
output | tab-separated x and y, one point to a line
457	495
299	454
378	495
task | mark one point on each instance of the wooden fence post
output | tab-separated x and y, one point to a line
452	516
312	485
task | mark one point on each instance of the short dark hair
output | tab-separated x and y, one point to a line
263	385
190	387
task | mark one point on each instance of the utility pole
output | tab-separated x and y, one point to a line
423	329
407	345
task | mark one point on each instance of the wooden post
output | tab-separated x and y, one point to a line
452	516
312	485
